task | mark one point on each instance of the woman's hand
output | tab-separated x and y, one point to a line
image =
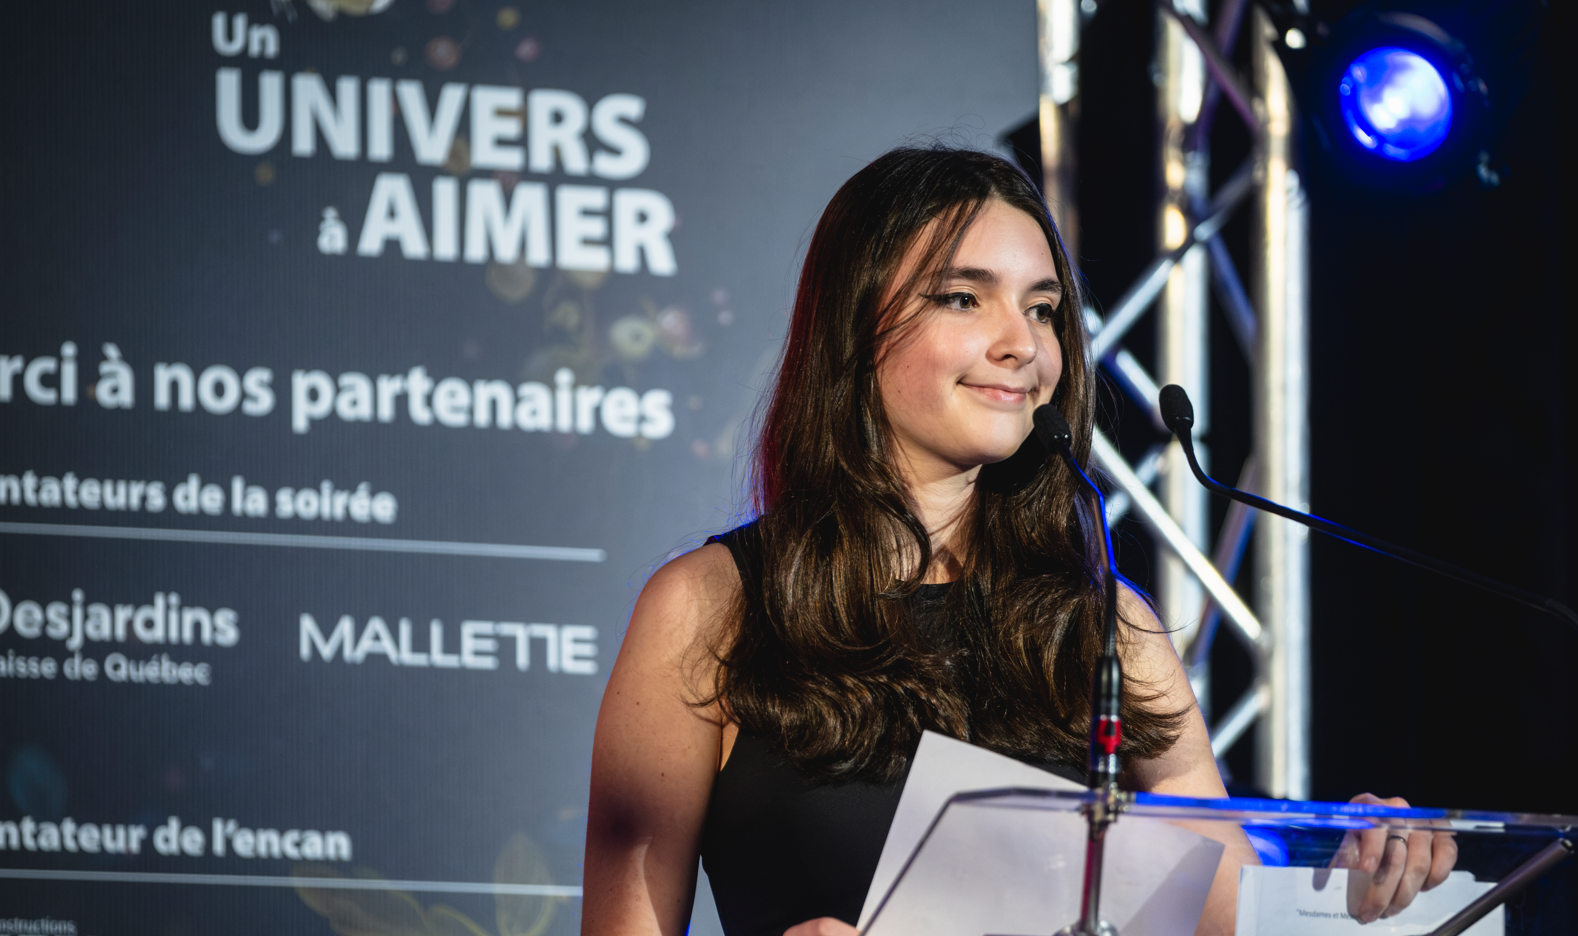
1400	863
822	926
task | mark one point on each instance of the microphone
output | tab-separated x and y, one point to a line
1178	414
1106	696
1106	692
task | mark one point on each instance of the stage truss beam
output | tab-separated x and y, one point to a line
1191	260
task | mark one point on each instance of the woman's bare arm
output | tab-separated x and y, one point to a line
1188	768
656	754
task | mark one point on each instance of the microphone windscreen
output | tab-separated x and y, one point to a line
1177	411
1051	428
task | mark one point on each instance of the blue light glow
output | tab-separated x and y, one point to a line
1396	104
1273	851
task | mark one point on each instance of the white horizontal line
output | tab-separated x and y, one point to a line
307	541
270	880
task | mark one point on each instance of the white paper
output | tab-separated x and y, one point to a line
993	870
1318	902
945	766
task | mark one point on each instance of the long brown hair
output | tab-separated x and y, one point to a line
826	660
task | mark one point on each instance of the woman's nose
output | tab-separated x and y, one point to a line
1014	337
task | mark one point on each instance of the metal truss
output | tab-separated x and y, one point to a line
1268	322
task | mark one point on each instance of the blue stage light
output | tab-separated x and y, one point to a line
1395	103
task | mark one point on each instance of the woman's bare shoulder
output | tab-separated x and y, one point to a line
703	579
705	566
683	607
1147	648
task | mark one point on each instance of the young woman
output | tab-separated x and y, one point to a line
916	564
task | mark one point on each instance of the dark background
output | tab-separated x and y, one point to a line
1441	418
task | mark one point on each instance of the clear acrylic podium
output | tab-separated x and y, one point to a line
1009	862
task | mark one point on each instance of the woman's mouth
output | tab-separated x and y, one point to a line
1000	393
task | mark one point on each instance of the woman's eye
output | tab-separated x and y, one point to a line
958	301
1042	312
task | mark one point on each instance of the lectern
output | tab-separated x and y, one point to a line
1009	862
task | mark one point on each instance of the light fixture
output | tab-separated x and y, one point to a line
1395	103
1399	93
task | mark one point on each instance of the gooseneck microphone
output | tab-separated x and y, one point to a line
1178	414
1106	697
1106	723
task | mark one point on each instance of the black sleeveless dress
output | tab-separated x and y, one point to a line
781	847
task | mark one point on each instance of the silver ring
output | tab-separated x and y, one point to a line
1400	838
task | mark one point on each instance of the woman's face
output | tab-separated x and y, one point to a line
960	385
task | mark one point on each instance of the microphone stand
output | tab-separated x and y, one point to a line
1178	414
1106	695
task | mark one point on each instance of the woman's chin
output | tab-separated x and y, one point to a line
970	447
1008	443
992	454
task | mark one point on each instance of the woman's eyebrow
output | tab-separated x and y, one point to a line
986	277
971	274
